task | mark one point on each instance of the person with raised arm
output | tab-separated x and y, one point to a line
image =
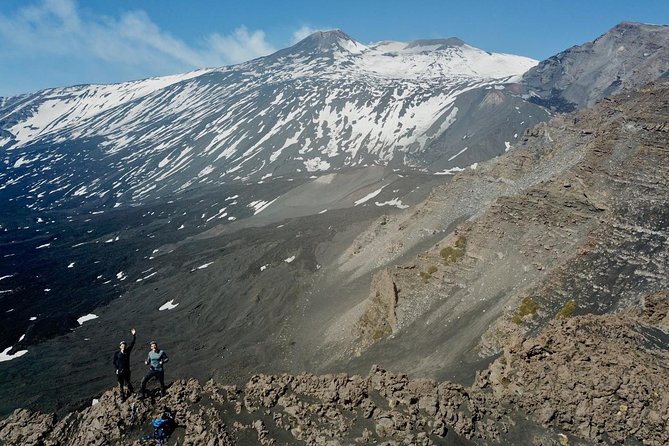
122	365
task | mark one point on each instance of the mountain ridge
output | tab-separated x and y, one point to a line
279	115
629	55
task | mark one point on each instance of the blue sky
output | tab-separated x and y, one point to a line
46	43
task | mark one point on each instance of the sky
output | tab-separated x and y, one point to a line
50	43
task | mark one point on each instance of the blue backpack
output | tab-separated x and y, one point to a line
162	428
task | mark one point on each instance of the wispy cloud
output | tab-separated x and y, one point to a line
131	42
241	45
305	31
57	27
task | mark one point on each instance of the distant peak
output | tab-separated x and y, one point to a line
439	43
326	41
636	26
328	36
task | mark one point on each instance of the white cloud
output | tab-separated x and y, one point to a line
301	33
241	45
305	31
59	28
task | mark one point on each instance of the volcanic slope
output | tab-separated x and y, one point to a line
571	245
626	57
566	266
64	200
290	295
326	103
573	220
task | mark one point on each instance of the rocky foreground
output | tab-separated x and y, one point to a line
584	380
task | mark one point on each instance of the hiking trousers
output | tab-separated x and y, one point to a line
124	378
158	374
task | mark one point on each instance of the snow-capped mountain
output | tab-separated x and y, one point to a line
326	103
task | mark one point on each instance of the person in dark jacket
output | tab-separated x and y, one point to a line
122	364
155	361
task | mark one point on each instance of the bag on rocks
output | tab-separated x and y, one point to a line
162	428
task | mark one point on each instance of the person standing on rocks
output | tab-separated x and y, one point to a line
155	361
122	364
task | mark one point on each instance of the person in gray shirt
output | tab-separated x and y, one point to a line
155	361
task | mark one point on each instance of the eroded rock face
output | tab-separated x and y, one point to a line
592	376
379	319
577	222
656	308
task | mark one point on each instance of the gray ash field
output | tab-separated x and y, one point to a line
235	285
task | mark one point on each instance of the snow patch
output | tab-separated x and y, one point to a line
316	164
86	318
369	196
394	202
260	205
452	171
147	277
457	154
169	305
289	259
5	356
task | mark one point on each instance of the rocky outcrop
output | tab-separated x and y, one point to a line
590	376
26	428
111	421
656	309
275	409
379	319
584	380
